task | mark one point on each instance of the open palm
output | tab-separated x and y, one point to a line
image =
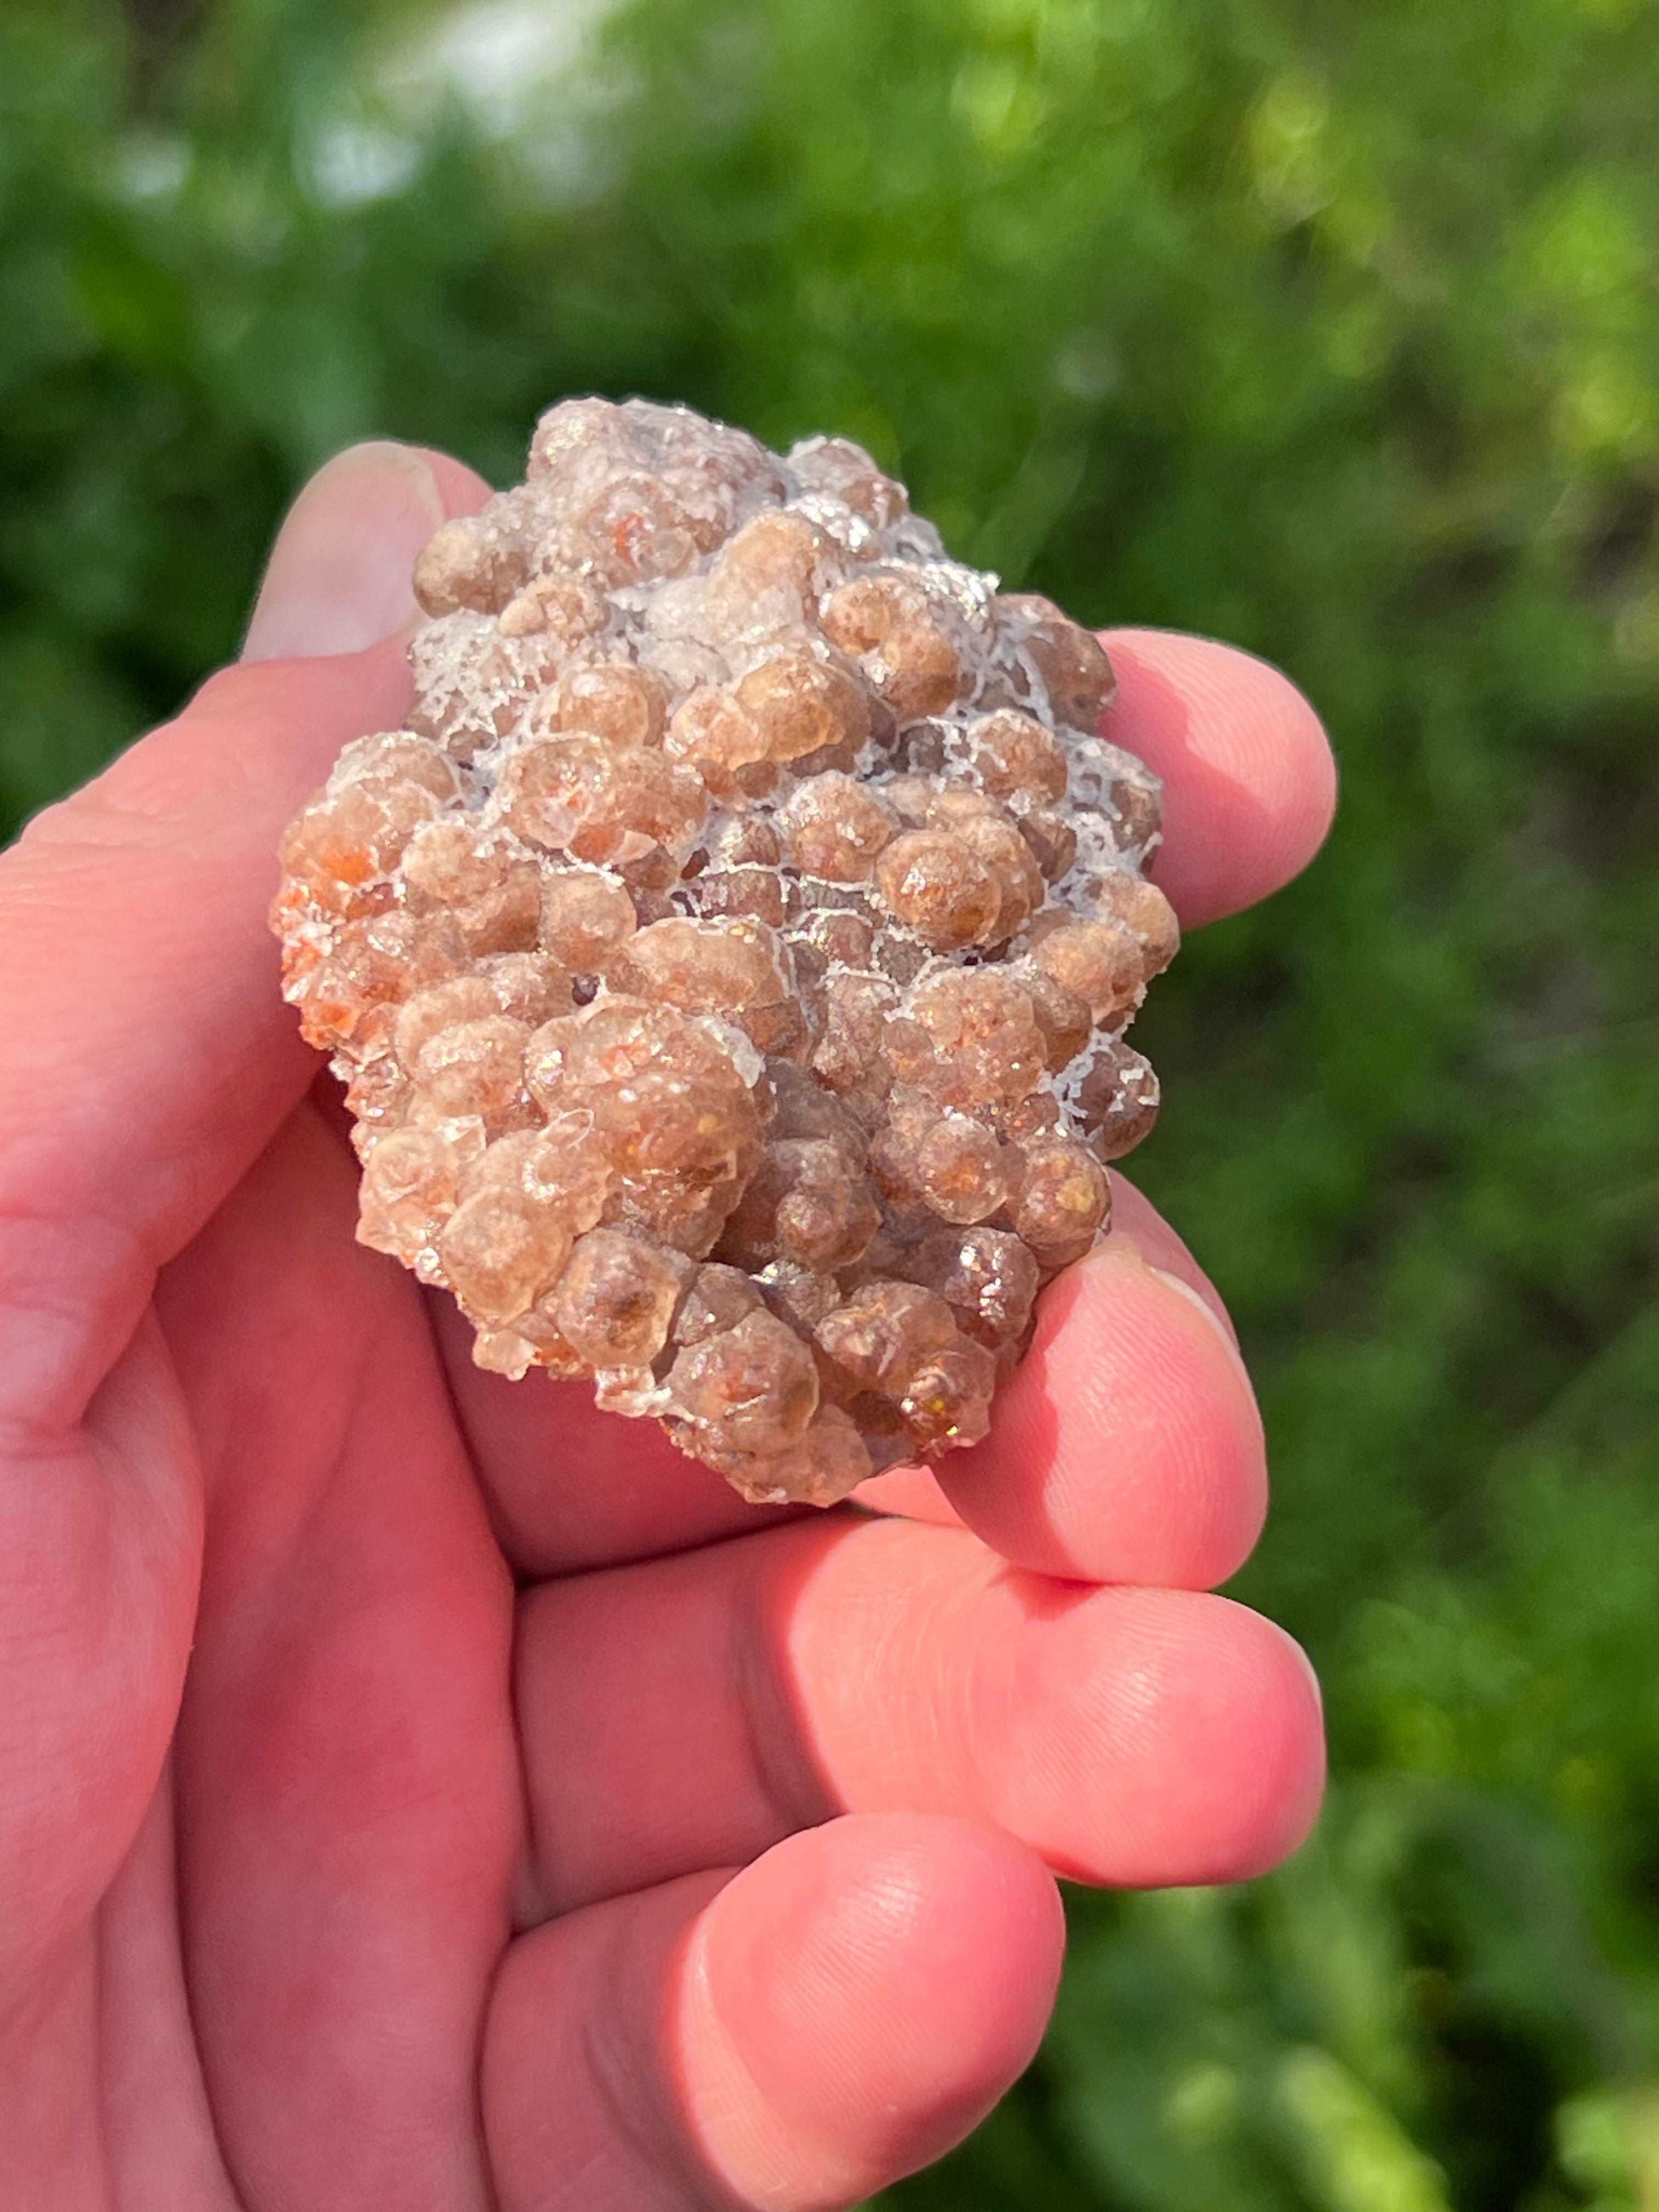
418	1791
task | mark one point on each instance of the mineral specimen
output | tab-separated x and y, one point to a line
728	965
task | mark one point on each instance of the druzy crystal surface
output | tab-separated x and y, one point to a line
728	965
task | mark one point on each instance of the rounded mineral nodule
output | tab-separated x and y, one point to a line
728	966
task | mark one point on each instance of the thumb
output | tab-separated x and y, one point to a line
338	580
151	1057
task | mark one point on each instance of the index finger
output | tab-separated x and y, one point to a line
1249	782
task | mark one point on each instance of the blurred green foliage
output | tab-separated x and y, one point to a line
1333	329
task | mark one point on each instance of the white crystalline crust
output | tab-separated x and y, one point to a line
729	964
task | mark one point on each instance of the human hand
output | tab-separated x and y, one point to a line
421	1792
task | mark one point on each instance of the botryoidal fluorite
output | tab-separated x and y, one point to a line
728	964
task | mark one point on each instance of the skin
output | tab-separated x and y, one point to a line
421	1792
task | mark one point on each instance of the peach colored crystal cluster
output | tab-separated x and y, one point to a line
728	964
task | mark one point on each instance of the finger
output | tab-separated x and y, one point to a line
1138	1221
688	1712
1249	785
339	575
812	2028
149	1057
912	1491
1123	1514
1128	1446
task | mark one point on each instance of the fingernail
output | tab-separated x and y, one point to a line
338	576
1122	1242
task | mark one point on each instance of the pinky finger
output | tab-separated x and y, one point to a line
793	2036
